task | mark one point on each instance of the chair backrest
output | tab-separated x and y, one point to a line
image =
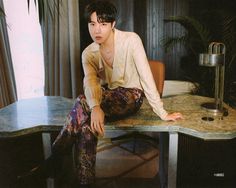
158	71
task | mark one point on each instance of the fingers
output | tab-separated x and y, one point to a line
98	128
174	116
177	115
97	121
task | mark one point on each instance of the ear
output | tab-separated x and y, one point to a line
113	24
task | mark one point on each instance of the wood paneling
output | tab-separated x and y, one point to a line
204	163
155	16
171	59
140	20
125	10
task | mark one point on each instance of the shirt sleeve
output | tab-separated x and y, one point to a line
92	86
146	77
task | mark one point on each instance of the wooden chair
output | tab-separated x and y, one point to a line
158	72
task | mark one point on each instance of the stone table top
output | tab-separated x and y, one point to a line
49	113
34	115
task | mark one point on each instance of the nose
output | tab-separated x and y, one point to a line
98	29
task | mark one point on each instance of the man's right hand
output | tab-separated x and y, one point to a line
97	120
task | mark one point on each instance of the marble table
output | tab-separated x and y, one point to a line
47	114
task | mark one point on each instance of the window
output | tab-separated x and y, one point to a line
26	47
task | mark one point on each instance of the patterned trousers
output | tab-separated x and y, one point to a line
116	104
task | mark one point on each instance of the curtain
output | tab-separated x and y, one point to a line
61	38
8	93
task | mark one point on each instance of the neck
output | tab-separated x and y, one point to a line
109	43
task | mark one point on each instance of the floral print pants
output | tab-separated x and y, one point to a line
116	104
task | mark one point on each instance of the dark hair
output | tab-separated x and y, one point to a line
105	10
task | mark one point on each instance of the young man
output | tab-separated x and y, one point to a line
117	75
119	59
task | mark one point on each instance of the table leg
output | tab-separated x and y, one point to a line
172	162
46	138
163	158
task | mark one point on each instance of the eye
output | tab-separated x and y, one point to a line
91	24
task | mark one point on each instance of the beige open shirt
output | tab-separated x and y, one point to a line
130	70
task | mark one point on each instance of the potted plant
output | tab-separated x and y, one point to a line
217	26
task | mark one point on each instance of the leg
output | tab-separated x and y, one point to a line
121	102
46	138
76	119
77	131
116	103
163	160
85	156
168	159
172	163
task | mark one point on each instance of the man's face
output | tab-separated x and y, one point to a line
99	31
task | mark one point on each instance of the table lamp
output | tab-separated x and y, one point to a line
215	58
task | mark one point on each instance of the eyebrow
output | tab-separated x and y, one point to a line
98	22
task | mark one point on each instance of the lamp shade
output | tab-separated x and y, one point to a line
211	60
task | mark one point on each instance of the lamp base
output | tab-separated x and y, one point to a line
212	107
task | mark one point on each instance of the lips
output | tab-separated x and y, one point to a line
98	38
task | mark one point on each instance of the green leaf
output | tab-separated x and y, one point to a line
194	28
170	42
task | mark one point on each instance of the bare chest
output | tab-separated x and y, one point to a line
108	57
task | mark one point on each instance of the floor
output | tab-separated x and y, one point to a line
128	162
